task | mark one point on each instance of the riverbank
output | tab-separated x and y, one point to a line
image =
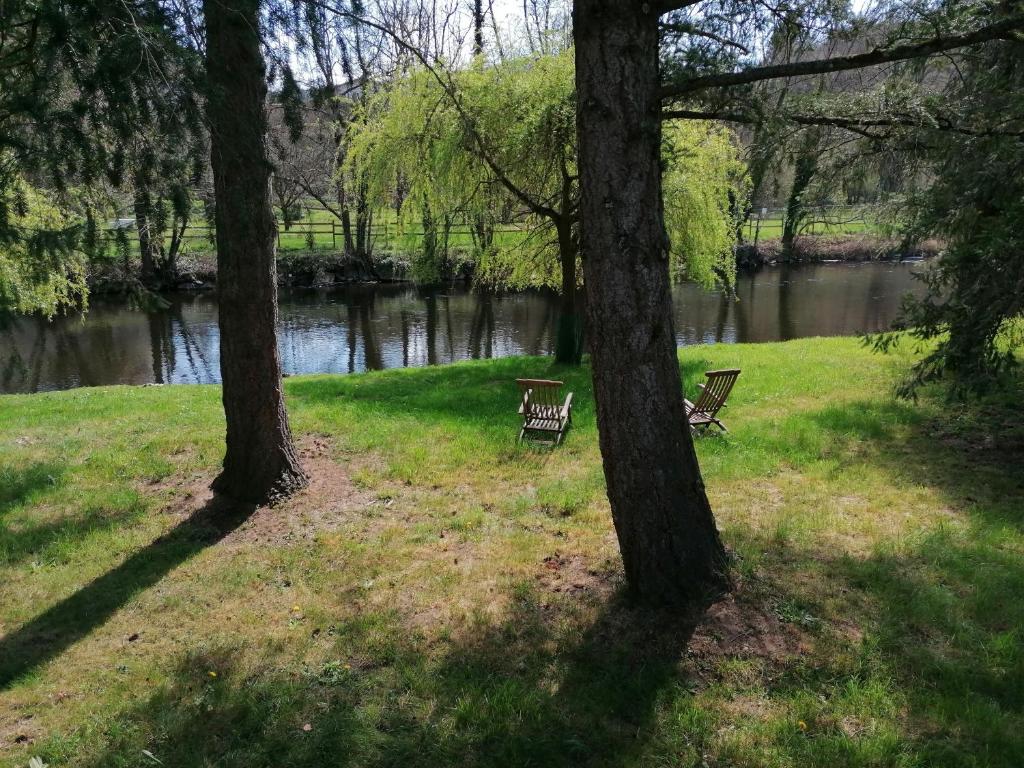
295	269
323	268
441	596
830	248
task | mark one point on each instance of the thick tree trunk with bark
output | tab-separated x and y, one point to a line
569	338
260	464
670	546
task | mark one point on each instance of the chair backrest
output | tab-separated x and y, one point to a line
716	390
541	397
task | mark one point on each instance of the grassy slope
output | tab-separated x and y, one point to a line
458	606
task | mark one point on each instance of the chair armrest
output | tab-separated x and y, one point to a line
567	406
523	401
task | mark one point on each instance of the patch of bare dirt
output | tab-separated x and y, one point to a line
330	501
21	732
742	626
575	575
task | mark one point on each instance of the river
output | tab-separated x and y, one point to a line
369	327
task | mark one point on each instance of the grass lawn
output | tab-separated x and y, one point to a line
441	596
389	237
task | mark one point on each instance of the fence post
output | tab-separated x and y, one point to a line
334	236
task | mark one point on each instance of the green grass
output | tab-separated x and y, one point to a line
389	237
443	596
852	220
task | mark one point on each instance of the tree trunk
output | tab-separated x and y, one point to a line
362	221
143	207
670	547
478	27
569	337
804	168
339	170
429	270
260	464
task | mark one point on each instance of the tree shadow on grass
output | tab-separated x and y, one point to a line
28	486
46	636
18	485
973	454
941	609
919	654
515	693
483	396
950	628
477	394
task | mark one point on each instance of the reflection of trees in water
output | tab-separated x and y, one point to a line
164	344
431	302
743	308
360	325
114	344
161	345
787	328
448	327
371	349
549	317
724	300
353	320
875	309
69	350
404	318
19	374
481	330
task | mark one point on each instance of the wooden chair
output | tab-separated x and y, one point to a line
704	412
543	409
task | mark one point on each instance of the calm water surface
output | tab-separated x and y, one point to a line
358	328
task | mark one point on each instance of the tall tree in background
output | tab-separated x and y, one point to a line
260	462
82	86
474	142
976	204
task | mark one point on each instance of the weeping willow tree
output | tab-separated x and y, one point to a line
496	144
704	189
41	267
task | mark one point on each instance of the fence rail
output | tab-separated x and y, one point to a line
765	223
310	235
818	220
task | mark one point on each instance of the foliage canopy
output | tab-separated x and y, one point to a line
498	142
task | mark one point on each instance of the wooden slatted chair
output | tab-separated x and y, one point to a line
702	414
543	409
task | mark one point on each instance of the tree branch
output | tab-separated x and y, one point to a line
468	123
674	5
690	29
995	31
855	124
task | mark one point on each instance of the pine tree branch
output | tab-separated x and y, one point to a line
995	31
